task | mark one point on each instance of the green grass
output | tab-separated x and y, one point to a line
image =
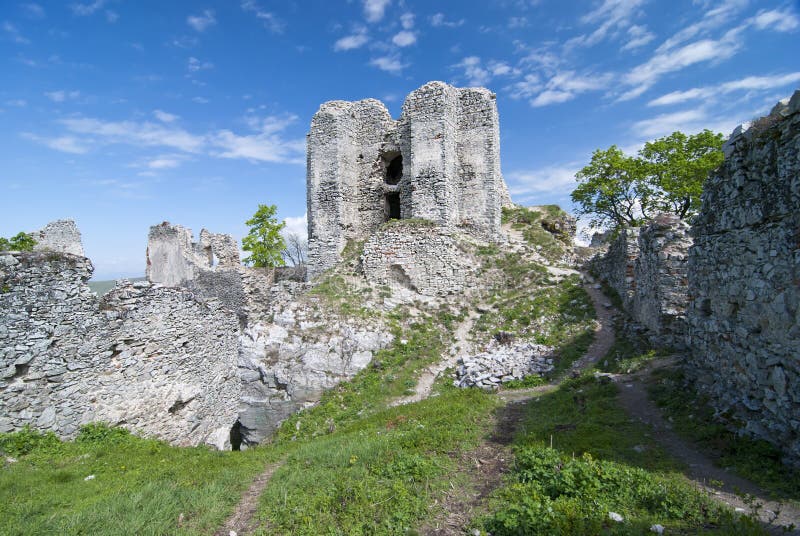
693	418
140	486
600	462
534	224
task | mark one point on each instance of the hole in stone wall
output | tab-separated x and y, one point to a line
392	206
394	170
236	436
399	276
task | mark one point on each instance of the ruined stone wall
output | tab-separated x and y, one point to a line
61	236
744	280
449	142
420	258
616	266
660	293
648	268
153	359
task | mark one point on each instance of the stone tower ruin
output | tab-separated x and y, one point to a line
440	162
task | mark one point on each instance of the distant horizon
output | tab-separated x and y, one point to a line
122	115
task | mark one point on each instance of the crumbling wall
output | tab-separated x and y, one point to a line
421	258
616	266
647	267
660	295
61	236
449	143
209	267
744	280
152	359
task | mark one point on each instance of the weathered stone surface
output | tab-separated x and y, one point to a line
149	358
421	258
744	269
61	236
440	161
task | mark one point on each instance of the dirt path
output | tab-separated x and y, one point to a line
489	462
241	521
700	468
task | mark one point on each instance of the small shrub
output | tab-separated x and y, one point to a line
28	440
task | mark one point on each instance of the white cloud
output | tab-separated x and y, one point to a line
639	37
65	144
404	38
167	161
750	83
612	17
265	145
661	125
407	21
203	21
195	65
566	85
200	100
17	103
14	34
474	71
83	10
439	20
723	12
61	95
297	225
165	117
526	88
517	22
33	11
390	64
133	133
375	9
112	16
270	21
644	76
781	21
554	180
355	40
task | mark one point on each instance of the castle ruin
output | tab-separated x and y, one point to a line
440	162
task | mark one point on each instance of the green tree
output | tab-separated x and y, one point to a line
667	175
612	189
264	241
677	165
19	242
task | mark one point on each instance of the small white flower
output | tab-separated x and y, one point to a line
403	341
615	517
90	477
658	529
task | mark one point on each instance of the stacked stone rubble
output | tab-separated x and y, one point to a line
744	280
448	142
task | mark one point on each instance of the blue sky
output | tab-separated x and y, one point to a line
122	114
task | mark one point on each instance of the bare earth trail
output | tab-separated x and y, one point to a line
700	469
241	520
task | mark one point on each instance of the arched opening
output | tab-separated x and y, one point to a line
394	170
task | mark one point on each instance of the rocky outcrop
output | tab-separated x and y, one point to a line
744	280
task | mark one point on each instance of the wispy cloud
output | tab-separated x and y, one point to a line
750	83
64	144
194	65
357	39
144	134
84	10
553	180
33	11
375	9
612	16
165	161
477	73
722	13
638	36
165	117
269	19
12	33
439	20
781	20
567	85
265	144
62	95
203	21
686	121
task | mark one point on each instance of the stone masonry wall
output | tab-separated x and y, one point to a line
647	267
423	259
744	280
150	358
449	142
61	236
660	295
